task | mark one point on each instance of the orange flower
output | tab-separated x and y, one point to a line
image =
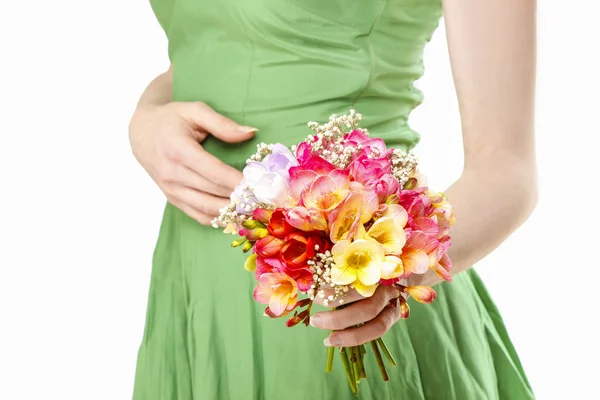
279	291
422	294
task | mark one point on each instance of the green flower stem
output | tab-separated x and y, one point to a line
386	352
330	353
362	373
380	363
348	369
363	350
354	359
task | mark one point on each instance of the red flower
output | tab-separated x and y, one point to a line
294	251
268	246
278	226
300	247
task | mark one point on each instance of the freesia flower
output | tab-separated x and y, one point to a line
268	246
404	308
250	263
268	180
302	176
369	170
262	215
306	219
278	225
303	152
327	191
358	208
265	265
439	260
360	263
385	187
415	203
423	294
373	147
268	187
277	290
389	229
253	230
298	249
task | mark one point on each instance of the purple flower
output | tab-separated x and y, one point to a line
268	179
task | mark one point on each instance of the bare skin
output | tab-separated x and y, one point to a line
493	56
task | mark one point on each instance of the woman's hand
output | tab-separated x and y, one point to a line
378	313
165	140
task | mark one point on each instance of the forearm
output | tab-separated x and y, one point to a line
491	200
158	92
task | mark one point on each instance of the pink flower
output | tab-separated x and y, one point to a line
306	219
386	186
277	290
416	203
372	147
315	164
303	176
369	170
328	191
266	265
439	260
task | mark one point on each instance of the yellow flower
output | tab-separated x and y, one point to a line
361	263
387	232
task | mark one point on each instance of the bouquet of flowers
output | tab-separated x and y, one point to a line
337	212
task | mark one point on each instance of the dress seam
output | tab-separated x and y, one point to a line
371	54
251	69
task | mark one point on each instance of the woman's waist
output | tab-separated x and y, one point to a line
289	126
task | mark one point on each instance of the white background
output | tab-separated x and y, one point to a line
79	218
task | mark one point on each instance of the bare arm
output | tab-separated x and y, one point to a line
166	139
158	92
492	47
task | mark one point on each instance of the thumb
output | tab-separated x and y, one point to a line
216	124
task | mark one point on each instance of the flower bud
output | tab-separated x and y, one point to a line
247	247
250	263
422	294
410	184
404	308
238	242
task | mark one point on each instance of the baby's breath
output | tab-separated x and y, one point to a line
321	266
328	141
403	164
262	150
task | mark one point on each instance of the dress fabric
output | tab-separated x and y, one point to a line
275	65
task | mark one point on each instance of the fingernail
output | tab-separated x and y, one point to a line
332	341
247	129
316	320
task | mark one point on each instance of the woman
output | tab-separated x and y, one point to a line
275	65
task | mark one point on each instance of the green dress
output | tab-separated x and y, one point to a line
275	65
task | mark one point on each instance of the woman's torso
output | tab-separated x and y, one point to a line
262	65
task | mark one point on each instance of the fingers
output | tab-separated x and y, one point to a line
214	123
200	217
194	157
370	331
193	180
361	311
350	297
203	203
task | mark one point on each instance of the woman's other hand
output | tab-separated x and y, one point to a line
377	313
165	140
